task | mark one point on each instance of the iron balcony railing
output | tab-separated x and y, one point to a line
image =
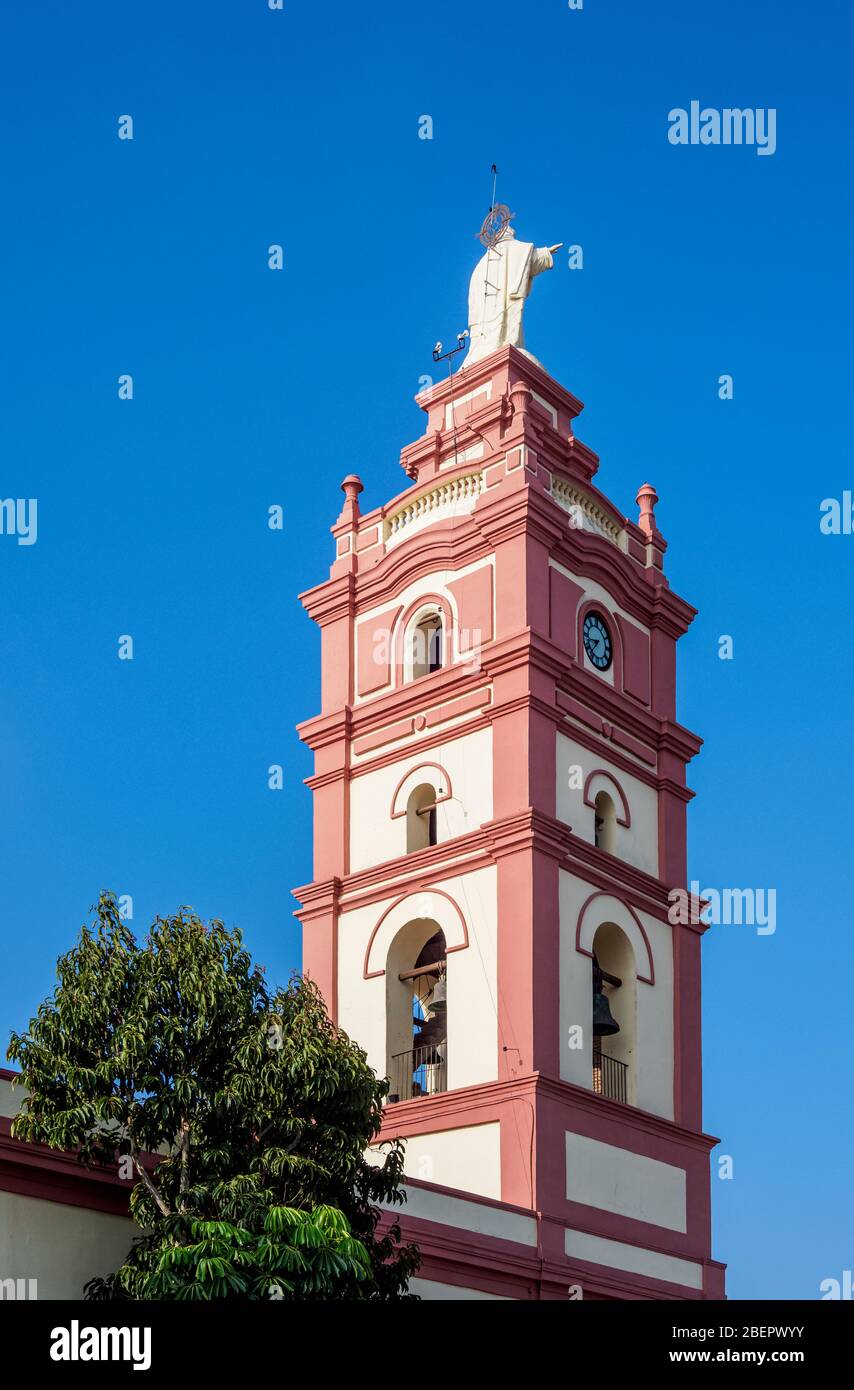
422	1071
610	1077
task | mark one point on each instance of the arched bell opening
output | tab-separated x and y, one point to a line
417	1012
614	1014
426	642
421	827
605	823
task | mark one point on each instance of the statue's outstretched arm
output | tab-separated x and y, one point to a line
542	258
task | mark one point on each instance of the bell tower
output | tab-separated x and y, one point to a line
499	821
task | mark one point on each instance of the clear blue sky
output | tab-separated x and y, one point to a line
254	387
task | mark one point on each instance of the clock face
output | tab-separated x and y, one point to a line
597	641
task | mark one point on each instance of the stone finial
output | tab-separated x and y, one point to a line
646	500
520	400
351	487
520	393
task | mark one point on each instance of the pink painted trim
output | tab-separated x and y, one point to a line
426	744
596	702
419	869
427	717
626	818
365	539
371	675
374	974
443	796
452	709
649	978
56	1175
389	733
66	1192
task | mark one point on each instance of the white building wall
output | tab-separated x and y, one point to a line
10	1098
654	1053
628	1184
637	844
430	1290
468	1158
376	837
633	1259
471	974
481	1218
62	1247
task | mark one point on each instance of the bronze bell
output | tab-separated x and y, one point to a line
431	1031
604	1023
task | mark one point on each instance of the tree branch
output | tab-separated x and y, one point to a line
161	1205
185	1161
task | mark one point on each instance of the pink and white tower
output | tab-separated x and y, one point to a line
499	816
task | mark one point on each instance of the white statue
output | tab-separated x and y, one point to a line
499	286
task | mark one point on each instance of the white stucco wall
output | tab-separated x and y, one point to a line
481	1218
10	1098
62	1247
653	1063
628	1184
468	1158
633	1259
637	843
471	975
430	1290
375	837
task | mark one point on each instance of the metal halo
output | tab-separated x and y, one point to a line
495	224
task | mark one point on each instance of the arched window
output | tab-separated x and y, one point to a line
614	1014
605	822
426	645
421	818
417	1012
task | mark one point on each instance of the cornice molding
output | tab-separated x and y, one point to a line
54	1175
321	730
403	1117
331	600
526	832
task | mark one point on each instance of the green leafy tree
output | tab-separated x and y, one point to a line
241	1115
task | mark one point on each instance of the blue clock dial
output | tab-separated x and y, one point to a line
597	641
